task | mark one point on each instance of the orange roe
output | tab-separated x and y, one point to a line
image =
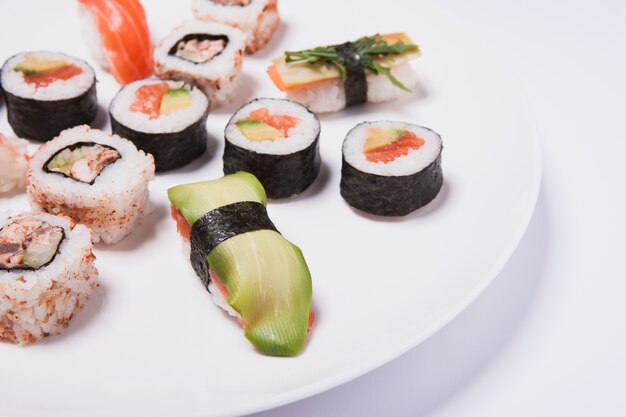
399	147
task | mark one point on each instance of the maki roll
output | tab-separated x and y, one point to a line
118	37
259	19
47	274
97	179
47	92
13	161
208	55
372	69
164	118
277	141
250	269
390	168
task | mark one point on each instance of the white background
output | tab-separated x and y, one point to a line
548	337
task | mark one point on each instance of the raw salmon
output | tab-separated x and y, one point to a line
125	37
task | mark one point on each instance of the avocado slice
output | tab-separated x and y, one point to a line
34	65
380	136
175	99
257	131
268	280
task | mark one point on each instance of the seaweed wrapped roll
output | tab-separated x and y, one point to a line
249	268
47	92
390	168
100	180
164	118
277	141
372	69
47	274
208	55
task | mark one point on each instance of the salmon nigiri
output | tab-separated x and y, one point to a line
121	29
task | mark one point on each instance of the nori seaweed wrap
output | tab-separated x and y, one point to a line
48	92
277	141
164	118
390	168
250	269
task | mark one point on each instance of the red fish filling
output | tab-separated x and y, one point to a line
148	99
281	122
44	78
400	147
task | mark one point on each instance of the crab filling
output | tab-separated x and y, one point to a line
232	2
199	48
83	161
29	244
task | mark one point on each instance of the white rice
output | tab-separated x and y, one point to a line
258	20
92	37
219	77
13	81
330	96
415	161
167	123
300	137
13	162
34	304
110	207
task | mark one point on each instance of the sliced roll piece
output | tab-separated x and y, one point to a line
47	274
390	168
277	141
164	118
208	55
251	270
98	179
372	69
47	92
258	19
13	162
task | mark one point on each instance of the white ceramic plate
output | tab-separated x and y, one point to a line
151	342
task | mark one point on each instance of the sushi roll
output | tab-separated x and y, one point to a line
208	55
277	141
259	19
47	92
249	268
13	161
118	37
97	179
164	118
372	69
47	274
390	168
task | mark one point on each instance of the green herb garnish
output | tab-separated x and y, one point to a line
368	47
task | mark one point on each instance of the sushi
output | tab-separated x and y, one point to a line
100	180
47	92
259	19
277	141
13	162
47	274
250	269
390	168
372	69
164	118
118	36
207	55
